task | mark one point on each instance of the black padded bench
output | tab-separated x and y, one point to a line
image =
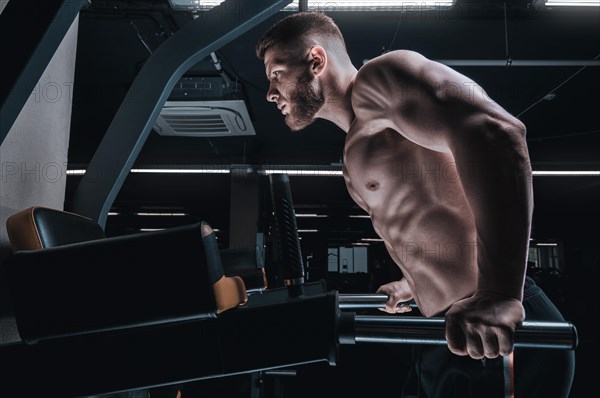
67	279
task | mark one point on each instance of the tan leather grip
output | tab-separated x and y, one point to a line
230	292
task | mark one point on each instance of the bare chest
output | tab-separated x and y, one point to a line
385	163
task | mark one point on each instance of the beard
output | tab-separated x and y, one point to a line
308	100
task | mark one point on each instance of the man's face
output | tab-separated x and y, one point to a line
293	88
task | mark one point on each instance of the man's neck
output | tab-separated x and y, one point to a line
338	104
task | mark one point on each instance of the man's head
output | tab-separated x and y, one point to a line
296	51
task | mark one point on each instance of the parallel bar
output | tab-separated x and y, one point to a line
365	301
417	330
133	122
31	31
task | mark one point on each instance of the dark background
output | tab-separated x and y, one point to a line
117	37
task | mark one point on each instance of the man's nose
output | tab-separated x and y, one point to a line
272	95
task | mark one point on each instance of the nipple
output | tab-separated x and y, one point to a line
372	185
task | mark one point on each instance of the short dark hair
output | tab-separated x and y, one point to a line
292	32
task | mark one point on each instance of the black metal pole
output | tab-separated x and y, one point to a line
418	330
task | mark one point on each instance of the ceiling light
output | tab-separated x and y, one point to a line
359	216
371	240
313	172
183	171
372	5
111	213
546	244
325	6
360	244
194	5
307	230
311	215
573	3
151	229
566	173
161	214
306	173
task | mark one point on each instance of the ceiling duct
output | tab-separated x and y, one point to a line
204	107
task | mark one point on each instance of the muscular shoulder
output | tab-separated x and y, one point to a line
386	87
402	62
389	70
404	75
393	78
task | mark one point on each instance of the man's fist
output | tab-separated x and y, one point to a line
483	325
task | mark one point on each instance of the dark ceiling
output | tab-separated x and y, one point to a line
117	37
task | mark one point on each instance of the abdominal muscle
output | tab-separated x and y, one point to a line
418	207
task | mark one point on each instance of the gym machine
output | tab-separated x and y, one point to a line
123	313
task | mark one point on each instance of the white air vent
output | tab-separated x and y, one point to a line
204	119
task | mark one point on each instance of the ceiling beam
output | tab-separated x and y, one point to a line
137	114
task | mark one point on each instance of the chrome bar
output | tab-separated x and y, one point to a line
418	330
362	301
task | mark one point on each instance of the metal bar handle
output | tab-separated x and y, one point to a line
418	330
363	301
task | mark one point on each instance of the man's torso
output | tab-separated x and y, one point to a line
417	206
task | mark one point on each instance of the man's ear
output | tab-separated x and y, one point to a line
318	60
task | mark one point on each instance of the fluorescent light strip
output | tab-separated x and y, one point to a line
307	230
112	213
182	171
326	173
566	173
361	244
369	5
345	5
578	3
311	215
161	214
546	244
359	216
371	240
306	173
162	229
166	171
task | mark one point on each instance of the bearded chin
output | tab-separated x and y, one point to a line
309	99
